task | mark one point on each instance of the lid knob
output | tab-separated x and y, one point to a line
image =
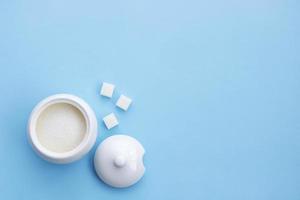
120	161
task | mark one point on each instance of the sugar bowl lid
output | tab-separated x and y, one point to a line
119	161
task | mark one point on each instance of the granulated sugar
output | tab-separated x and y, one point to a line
61	127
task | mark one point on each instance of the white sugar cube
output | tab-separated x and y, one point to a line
123	102
110	121
107	89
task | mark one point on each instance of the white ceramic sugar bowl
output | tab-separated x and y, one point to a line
62	120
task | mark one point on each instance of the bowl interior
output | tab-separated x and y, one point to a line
60	127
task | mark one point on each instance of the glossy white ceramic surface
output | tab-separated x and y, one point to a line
119	161
82	148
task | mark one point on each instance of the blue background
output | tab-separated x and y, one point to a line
215	86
